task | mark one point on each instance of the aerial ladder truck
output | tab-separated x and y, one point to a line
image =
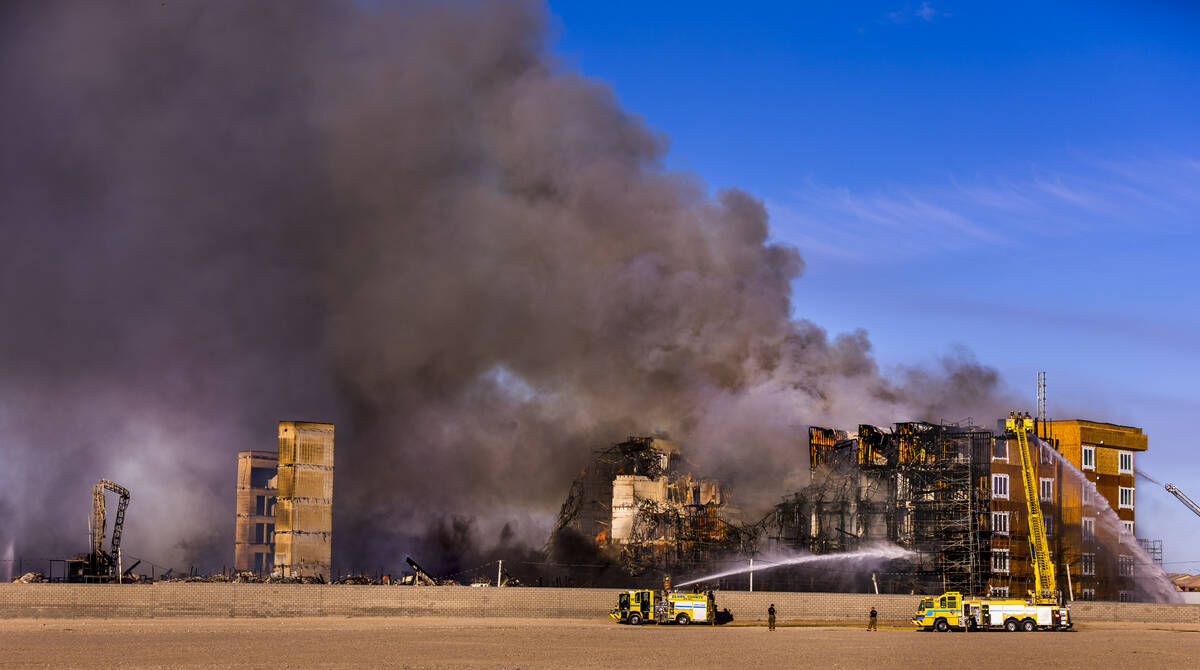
1041	609
1191	504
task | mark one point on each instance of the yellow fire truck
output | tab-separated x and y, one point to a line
1041	610
953	611
647	606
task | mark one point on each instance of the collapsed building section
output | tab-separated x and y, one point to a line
636	505
921	486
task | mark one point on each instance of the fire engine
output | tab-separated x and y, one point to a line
1041	610
659	607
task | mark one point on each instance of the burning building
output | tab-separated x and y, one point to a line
921	486
635	502
953	496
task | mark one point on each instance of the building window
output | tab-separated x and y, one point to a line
1126	498
1046	490
999	560
260	476
1128	527
1047	455
1089	458
999	591
259	533
1087	594
1125	566
1000	523
1087	493
1000	450
1048	522
999	486
1125	464
1124	597
1087	564
260	505
1089	529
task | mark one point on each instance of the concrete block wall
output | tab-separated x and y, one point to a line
291	600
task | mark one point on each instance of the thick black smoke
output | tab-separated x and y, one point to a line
407	219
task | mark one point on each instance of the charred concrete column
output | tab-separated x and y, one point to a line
304	511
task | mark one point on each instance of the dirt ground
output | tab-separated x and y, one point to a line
545	643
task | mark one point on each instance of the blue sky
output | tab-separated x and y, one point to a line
1022	179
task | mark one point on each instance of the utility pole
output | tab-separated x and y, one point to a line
499	569
752	575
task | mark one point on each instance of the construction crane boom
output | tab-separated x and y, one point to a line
1045	590
103	561
1191	504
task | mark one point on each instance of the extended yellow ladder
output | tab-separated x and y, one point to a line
1045	590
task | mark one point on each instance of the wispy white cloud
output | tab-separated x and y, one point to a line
1089	198
925	12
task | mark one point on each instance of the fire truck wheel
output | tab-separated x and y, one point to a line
1011	625
635	619
683	620
941	626
1028	625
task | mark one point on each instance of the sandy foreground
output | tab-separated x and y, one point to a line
439	642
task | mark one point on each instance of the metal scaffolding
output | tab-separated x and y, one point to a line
920	485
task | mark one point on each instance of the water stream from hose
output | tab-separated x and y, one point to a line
859	558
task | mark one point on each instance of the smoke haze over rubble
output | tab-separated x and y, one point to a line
406	219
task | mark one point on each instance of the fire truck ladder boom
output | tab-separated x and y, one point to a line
1045	590
1191	504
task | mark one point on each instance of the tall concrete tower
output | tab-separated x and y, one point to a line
254	545
304	508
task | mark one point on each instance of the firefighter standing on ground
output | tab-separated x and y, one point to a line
771	617
873	624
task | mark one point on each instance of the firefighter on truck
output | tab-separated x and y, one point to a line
648	606
1041	610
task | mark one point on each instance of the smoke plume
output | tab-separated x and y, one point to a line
404	218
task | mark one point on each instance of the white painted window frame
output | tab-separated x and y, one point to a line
1121	497
1121	457
997	476
1007	560
1083	457
1007	524
1042	494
